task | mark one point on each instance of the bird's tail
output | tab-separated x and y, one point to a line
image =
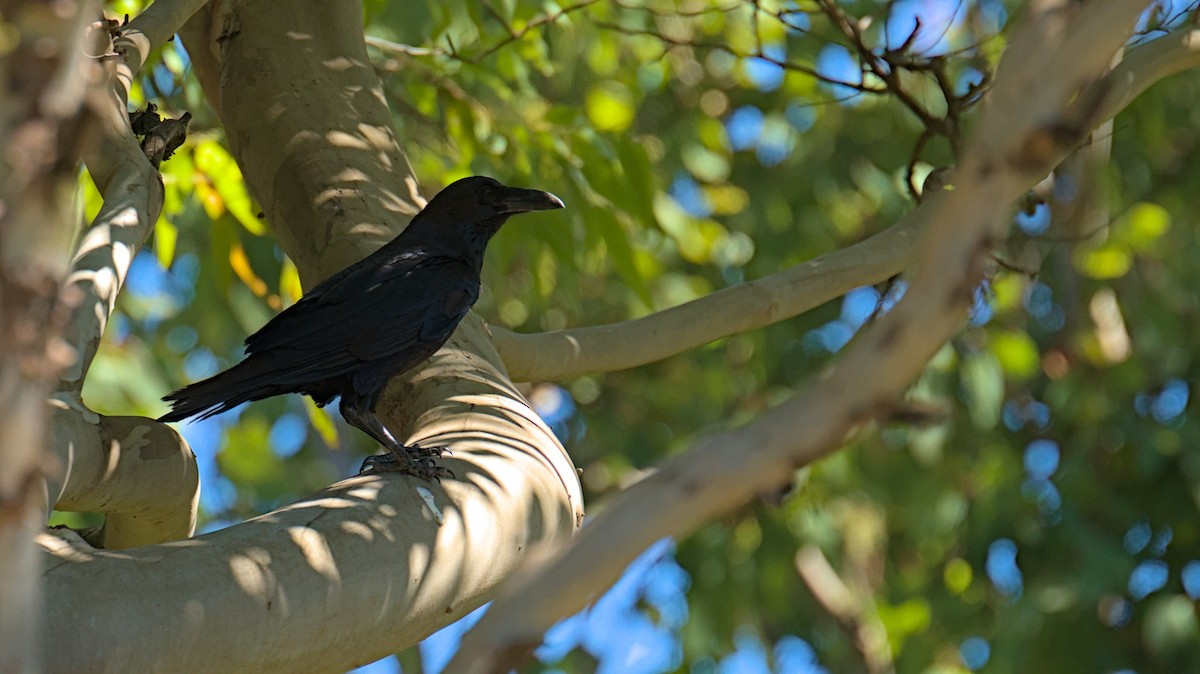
246	381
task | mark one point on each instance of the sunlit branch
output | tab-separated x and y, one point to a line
563	354
853	611
391	559
136	471
133	198
404	49
147	32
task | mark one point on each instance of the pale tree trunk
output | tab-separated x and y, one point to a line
44	77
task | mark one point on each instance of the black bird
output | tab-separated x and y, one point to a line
373	320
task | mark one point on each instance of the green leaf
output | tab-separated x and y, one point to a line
697	238
957	575
215	162
637	197
1017	353
904	620
707	165
1108	261
610	107
1143	226
983	379
221	241
1007	292
617	241
1170	626
246	453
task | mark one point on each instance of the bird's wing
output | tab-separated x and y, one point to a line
333	295
379	312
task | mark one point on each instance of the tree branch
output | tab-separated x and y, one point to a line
136	471
532	24
1144	66
145	499
151	29
1005	156
355	572
853	613
563	354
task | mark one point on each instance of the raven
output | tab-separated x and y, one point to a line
373	320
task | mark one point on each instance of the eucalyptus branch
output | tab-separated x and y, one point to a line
130	185
133	197
563	354
854	613
146	32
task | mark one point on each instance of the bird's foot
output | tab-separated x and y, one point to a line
416	461
428	452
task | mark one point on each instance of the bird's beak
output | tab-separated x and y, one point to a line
518	200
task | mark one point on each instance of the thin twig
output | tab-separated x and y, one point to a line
399	48
674	43
549	17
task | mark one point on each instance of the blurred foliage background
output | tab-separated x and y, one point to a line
1044	519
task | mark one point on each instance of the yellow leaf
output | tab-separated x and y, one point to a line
727	199
225	179
165	236
214	207
241	266
289	282
321	422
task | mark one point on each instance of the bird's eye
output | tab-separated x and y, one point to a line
487	194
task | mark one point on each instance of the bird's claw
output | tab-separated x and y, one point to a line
417	461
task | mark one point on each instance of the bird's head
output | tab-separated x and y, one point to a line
480	198
477	207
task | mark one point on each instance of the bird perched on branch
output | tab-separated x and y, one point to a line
373	320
